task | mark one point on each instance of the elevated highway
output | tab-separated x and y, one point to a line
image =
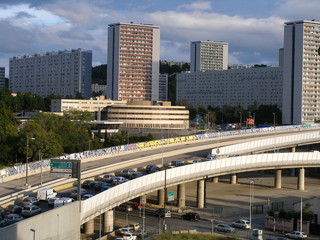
104	202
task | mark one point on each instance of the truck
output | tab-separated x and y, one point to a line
46	193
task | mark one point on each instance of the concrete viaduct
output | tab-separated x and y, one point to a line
84	212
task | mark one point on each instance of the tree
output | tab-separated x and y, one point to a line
99	74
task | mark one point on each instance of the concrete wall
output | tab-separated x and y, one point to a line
57	224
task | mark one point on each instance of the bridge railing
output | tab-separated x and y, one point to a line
37	165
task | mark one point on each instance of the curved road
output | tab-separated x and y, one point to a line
17	185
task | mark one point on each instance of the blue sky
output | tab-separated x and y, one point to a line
253	28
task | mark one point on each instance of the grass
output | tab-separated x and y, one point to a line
170	236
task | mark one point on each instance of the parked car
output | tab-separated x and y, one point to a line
30	201
296	235
133	226
119	180
135	175
129	236
124	207
163	212
125	230
88	184
51	202
30	210
62	201
13	217
74	192
105	187
13	209
2	214
176	163
99	185
244	224
191	216
108	178
224	228
86	196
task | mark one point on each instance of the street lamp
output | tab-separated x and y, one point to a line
34	233
41	163
27	162
240	119
251	198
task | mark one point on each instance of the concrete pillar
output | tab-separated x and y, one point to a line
200	193
215	180
108	221
161	197
301	179
181	196
292	170
143	199
89	227
233	178
277	178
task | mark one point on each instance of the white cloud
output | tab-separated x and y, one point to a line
200	5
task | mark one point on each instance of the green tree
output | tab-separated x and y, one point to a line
99	74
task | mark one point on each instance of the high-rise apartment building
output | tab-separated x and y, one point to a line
301	72
2	78
208	55
163	87
64	73
133	61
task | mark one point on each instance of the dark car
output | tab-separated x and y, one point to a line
2	214
135	175
13	209
88	184
163	212
99	185
191	216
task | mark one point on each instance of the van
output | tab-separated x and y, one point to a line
62	201
46	193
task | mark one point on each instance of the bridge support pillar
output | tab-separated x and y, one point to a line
200	193
161	197
301	179
143	199
108	221
277	178
215	180
233	178
181	196
89	227
293	170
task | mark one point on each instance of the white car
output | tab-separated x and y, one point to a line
224	228
244	224
296	235
129	236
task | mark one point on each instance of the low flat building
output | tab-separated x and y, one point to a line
132	114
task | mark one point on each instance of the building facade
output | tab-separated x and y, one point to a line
131	114
163	87
133	62
147	114
64	73
234	87
2	78
208	55
301	72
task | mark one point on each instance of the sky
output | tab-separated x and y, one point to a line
252	28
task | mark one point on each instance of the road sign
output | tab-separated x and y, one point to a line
65	168
170	196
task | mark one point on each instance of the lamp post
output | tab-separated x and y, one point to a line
240	119
250	200
40	160
34	233
274	120
27	162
